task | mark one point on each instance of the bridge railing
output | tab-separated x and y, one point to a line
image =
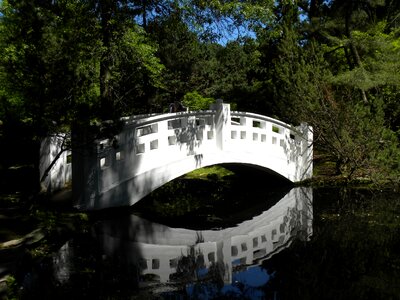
178	135
199	128
155	139
265	132
153	149
173	130
192	130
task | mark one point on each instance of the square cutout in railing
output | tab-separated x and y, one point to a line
148	129
243	135
173	263
103	144
243	246
69	157
258	124
234	251
233	135
255	242
172	140
263	138
174	124
200	122
211	257
140	148
235	121
104	162
119	156
255	136
210	135
155	263
263	238
199	135
276	129
154	145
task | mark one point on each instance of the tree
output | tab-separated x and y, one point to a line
63	65
46	77
316	84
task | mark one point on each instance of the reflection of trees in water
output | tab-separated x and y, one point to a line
191	269
187	266
354	252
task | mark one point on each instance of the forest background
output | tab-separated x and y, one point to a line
73	64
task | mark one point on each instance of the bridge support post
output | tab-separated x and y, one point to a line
84	168
306	151
222	121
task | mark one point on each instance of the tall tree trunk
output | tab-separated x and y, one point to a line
107	105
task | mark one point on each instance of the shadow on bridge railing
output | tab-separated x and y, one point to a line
152	151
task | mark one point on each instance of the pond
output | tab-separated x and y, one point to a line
306	243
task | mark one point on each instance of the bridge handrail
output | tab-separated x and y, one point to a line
130	119
266	118
167	116
141	120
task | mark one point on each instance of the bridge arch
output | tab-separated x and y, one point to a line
153	150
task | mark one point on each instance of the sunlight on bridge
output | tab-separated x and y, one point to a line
155	149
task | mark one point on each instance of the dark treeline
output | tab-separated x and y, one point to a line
334	64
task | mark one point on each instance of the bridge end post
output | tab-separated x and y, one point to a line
306	152
222	123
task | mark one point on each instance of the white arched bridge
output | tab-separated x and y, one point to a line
153	150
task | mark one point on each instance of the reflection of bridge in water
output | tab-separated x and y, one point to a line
158	250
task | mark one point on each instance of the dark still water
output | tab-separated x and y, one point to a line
308	244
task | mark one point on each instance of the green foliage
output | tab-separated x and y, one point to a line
231	18
379	54
214	71
12	288
353	132
136	70
205	173
343	80
194	101
47	73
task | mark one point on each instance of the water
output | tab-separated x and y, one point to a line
310	244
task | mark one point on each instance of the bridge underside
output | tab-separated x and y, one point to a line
131	191
255	170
